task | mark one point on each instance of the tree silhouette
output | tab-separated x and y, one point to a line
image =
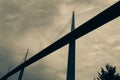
108	74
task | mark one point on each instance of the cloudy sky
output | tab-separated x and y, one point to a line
35	24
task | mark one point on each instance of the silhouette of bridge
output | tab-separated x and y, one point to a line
104	17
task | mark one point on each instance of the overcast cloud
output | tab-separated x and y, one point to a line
35	24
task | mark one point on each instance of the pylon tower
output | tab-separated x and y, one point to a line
71	54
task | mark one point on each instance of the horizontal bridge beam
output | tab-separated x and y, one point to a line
97	21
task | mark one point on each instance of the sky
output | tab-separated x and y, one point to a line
35	24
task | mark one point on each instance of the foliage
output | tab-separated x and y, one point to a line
109	74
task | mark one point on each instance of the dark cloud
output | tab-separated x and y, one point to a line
6	59
40	71
21	16
18	18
